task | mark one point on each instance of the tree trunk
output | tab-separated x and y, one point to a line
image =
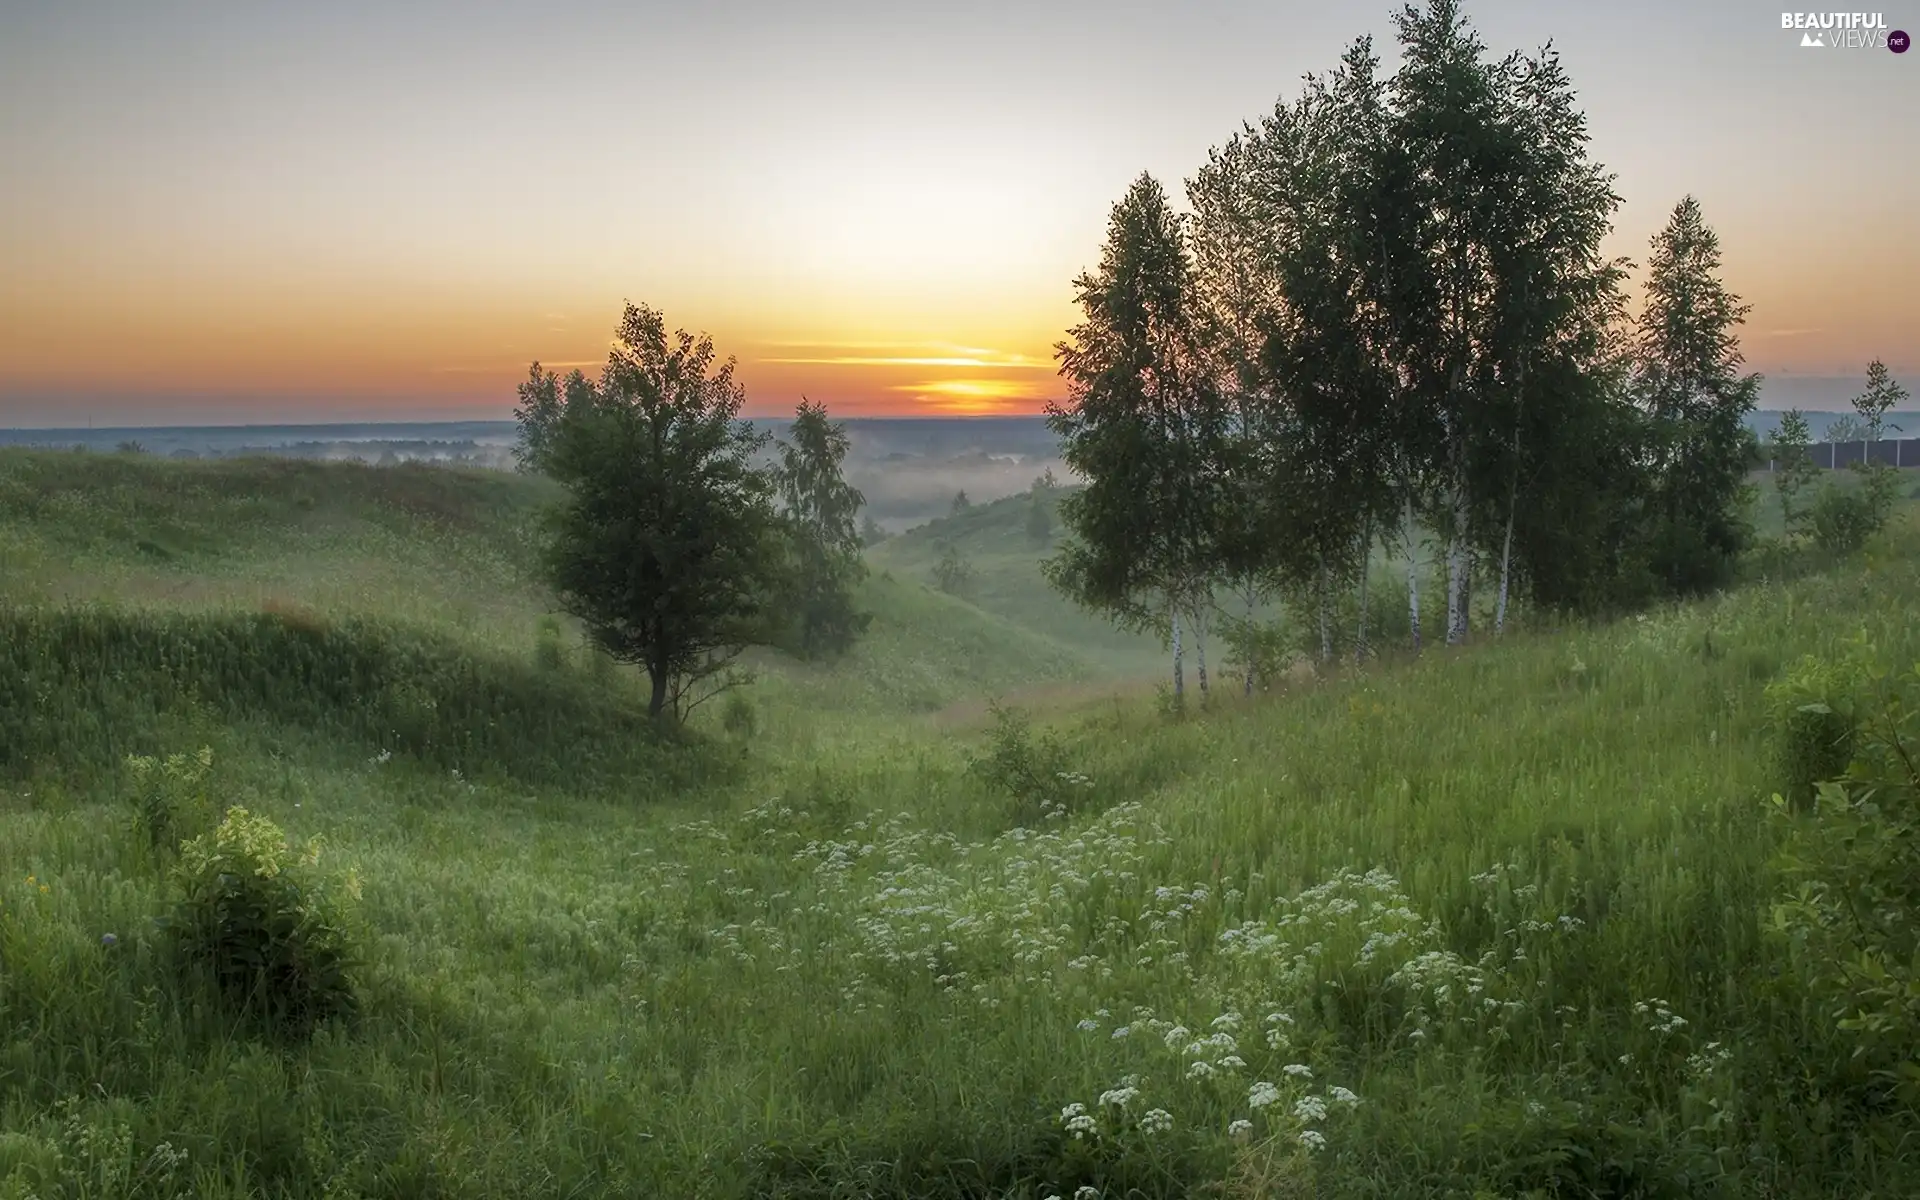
1200	649
1366	566
1179	679
657	675
1513	501
1413	573
1251	656
1506	571
1457	565
1466	593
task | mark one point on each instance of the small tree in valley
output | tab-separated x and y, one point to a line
819	506
667	540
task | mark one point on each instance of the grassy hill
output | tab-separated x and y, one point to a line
1490	922
993	539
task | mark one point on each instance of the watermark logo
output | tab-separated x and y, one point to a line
1839	30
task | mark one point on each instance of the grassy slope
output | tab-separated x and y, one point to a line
722	979
1006	563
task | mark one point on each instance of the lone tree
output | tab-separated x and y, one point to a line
1690	384
819	507
1881	397
1794	471
667	540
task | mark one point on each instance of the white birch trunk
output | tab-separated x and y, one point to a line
1513	501
1457	564
1413	574
1179	680
1506	570
1200	649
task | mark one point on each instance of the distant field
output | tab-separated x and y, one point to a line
1441	912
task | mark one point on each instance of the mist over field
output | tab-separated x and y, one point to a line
908	468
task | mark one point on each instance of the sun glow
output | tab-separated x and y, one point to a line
973	397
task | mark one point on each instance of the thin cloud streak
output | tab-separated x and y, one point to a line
880	361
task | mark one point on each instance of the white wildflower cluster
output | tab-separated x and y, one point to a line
1351	917
1662	1021
1205	1056
927	904
1309	1108
1707	1060
1054	807
1078	1121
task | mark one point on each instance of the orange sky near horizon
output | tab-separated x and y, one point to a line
356	211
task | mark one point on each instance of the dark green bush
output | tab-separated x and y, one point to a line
1852	872
1033	772
738	717
1843	520
547	653
259	922
1814	716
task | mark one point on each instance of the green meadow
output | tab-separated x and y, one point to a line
1489	922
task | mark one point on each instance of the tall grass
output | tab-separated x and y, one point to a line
1488	922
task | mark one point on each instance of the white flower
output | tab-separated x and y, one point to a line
1083	1192
1341	1095
1313	1139
1156	1120
1088	1026
1118	1097
1121	1032
1200	1070
1298	1070
1310	1108
1262	1094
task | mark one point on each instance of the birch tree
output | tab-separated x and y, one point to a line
1688	379
819	506
1144	424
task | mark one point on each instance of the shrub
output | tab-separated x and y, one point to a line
547	653
1813	711
170	802
1853	888
264	925
953	574
1032	772
1843	520
738	716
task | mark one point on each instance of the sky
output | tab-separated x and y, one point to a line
293	212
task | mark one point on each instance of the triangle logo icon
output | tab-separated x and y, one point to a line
1813	39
